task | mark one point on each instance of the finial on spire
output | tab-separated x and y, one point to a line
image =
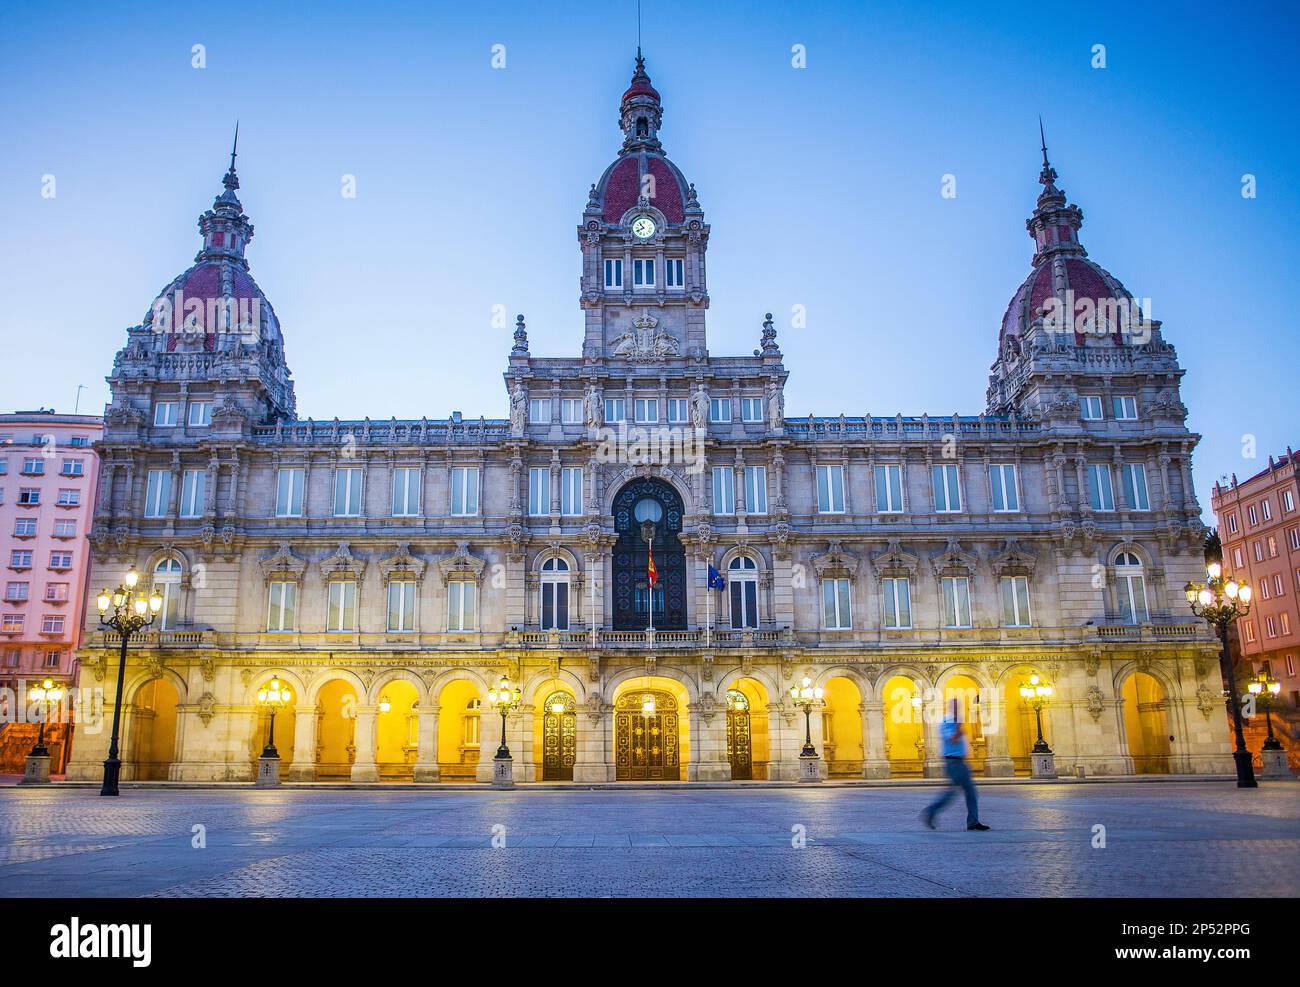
234	148
1042	139
231	181
1046	177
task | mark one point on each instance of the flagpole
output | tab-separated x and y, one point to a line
708	608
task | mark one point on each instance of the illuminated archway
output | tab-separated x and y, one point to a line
651	729
555	735
965	692
336	705
397	731
153	730
904	728
1021	725
755	698
1146	724
842	728
460	728
286	719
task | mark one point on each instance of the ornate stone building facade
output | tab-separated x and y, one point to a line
392	571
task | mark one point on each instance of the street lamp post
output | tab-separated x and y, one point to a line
1265	687
37	769
1035	692
503	699
127	610
808	697
273	696
1221	601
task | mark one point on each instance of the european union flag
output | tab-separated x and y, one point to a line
715	579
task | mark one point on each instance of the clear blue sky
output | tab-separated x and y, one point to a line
822	186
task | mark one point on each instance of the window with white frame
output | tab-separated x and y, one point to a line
647	410
1288	502
193	488
401	605
1284	620
20	559
34	466
571	491
464	491
1002	482
756	489
52	659
1266	508
406	491
69	497
1277	585
341	613
1015	601
157	493
462	609
1135	487
897	595
52	623
539	411
837	609
13	623
720	410
167	584
1090	407
643	272
288	491
1249	627
956	601
613	272
946	487
1101	492
571	411
29	496
751	409
724	490
1272	546
1130	589
1270	626
889	488
1265	590
742	590
281	606
1237	559
553	606
57	592
679	411
17	592
200	414
1232	523
25	527
60	560
1292	537
1259	550
615	411
539	490
830	489
1252	515
674	272
166	414
1124	407
73	467
347	491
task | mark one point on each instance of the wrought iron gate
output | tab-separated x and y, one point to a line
740	751
646	743
559	737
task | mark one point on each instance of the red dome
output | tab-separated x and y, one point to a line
620	186
1081	276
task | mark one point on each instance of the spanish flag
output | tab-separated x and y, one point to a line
651	570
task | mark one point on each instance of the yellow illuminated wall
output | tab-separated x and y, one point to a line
336	727
963	690
1146	723
842	729
154	729
396	732
456	757
903	727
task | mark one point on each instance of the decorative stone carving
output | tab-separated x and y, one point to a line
1096	702
401	564
282	564
1013	560
894	560
953	560
835	562
207	707
461	564
645	341
207	668
1207	699
341	563
1092	661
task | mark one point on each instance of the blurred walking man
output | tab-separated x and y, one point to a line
955	751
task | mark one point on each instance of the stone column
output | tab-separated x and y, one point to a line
521	744
875	763
303	767
708	732
595	763
426	753
364	767
997	759
932	717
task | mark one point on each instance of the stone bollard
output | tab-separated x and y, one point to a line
810	768
1274	764
1042	765
268	772
37	770
503	772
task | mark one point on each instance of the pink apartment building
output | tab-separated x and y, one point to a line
1259	525
49	473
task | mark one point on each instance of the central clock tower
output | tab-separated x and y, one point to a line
643	238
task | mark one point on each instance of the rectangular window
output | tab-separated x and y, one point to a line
1272	547
751	409
401	605
25	527
34	467
1259	550
1232	523
1265	591
647	410
743	593
56	592
69	497
643	272
836	607
166	413
29	496
1124	407
1284	620
193	482
406	491
539	490
956	601
1132	590
1002	481
614	411
555	603
1237	559
571	411
1277	585
889	489
1135	487
282	606
13	622
898	603
52	623
1292	537
342	614
1288	502
946	487
464	491
539	411
4	467
1249	627
200	414
1270	627
1267	509
756	489
830	489
52	659
60	560
20	560
288	492
1101	493
1252	515
79	440
461	609
720	410
1090	407
613	273
158	493
674	272
678	411
74	467
17	592
1015	601
571	491
347	491
724	490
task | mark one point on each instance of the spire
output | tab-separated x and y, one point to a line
1054	225
640	112
225	228
231	181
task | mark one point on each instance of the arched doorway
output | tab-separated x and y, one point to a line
1146	724
559	725
1022	724
336	706
842	728
740	740
153	730
459	730
397	726
654	501
647	745
286	721
904	727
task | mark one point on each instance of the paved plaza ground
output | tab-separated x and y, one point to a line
1166	839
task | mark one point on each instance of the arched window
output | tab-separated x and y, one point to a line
473	712
555	595
1130	588
742	580
167	581
642	127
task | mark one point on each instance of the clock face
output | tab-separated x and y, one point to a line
643	227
